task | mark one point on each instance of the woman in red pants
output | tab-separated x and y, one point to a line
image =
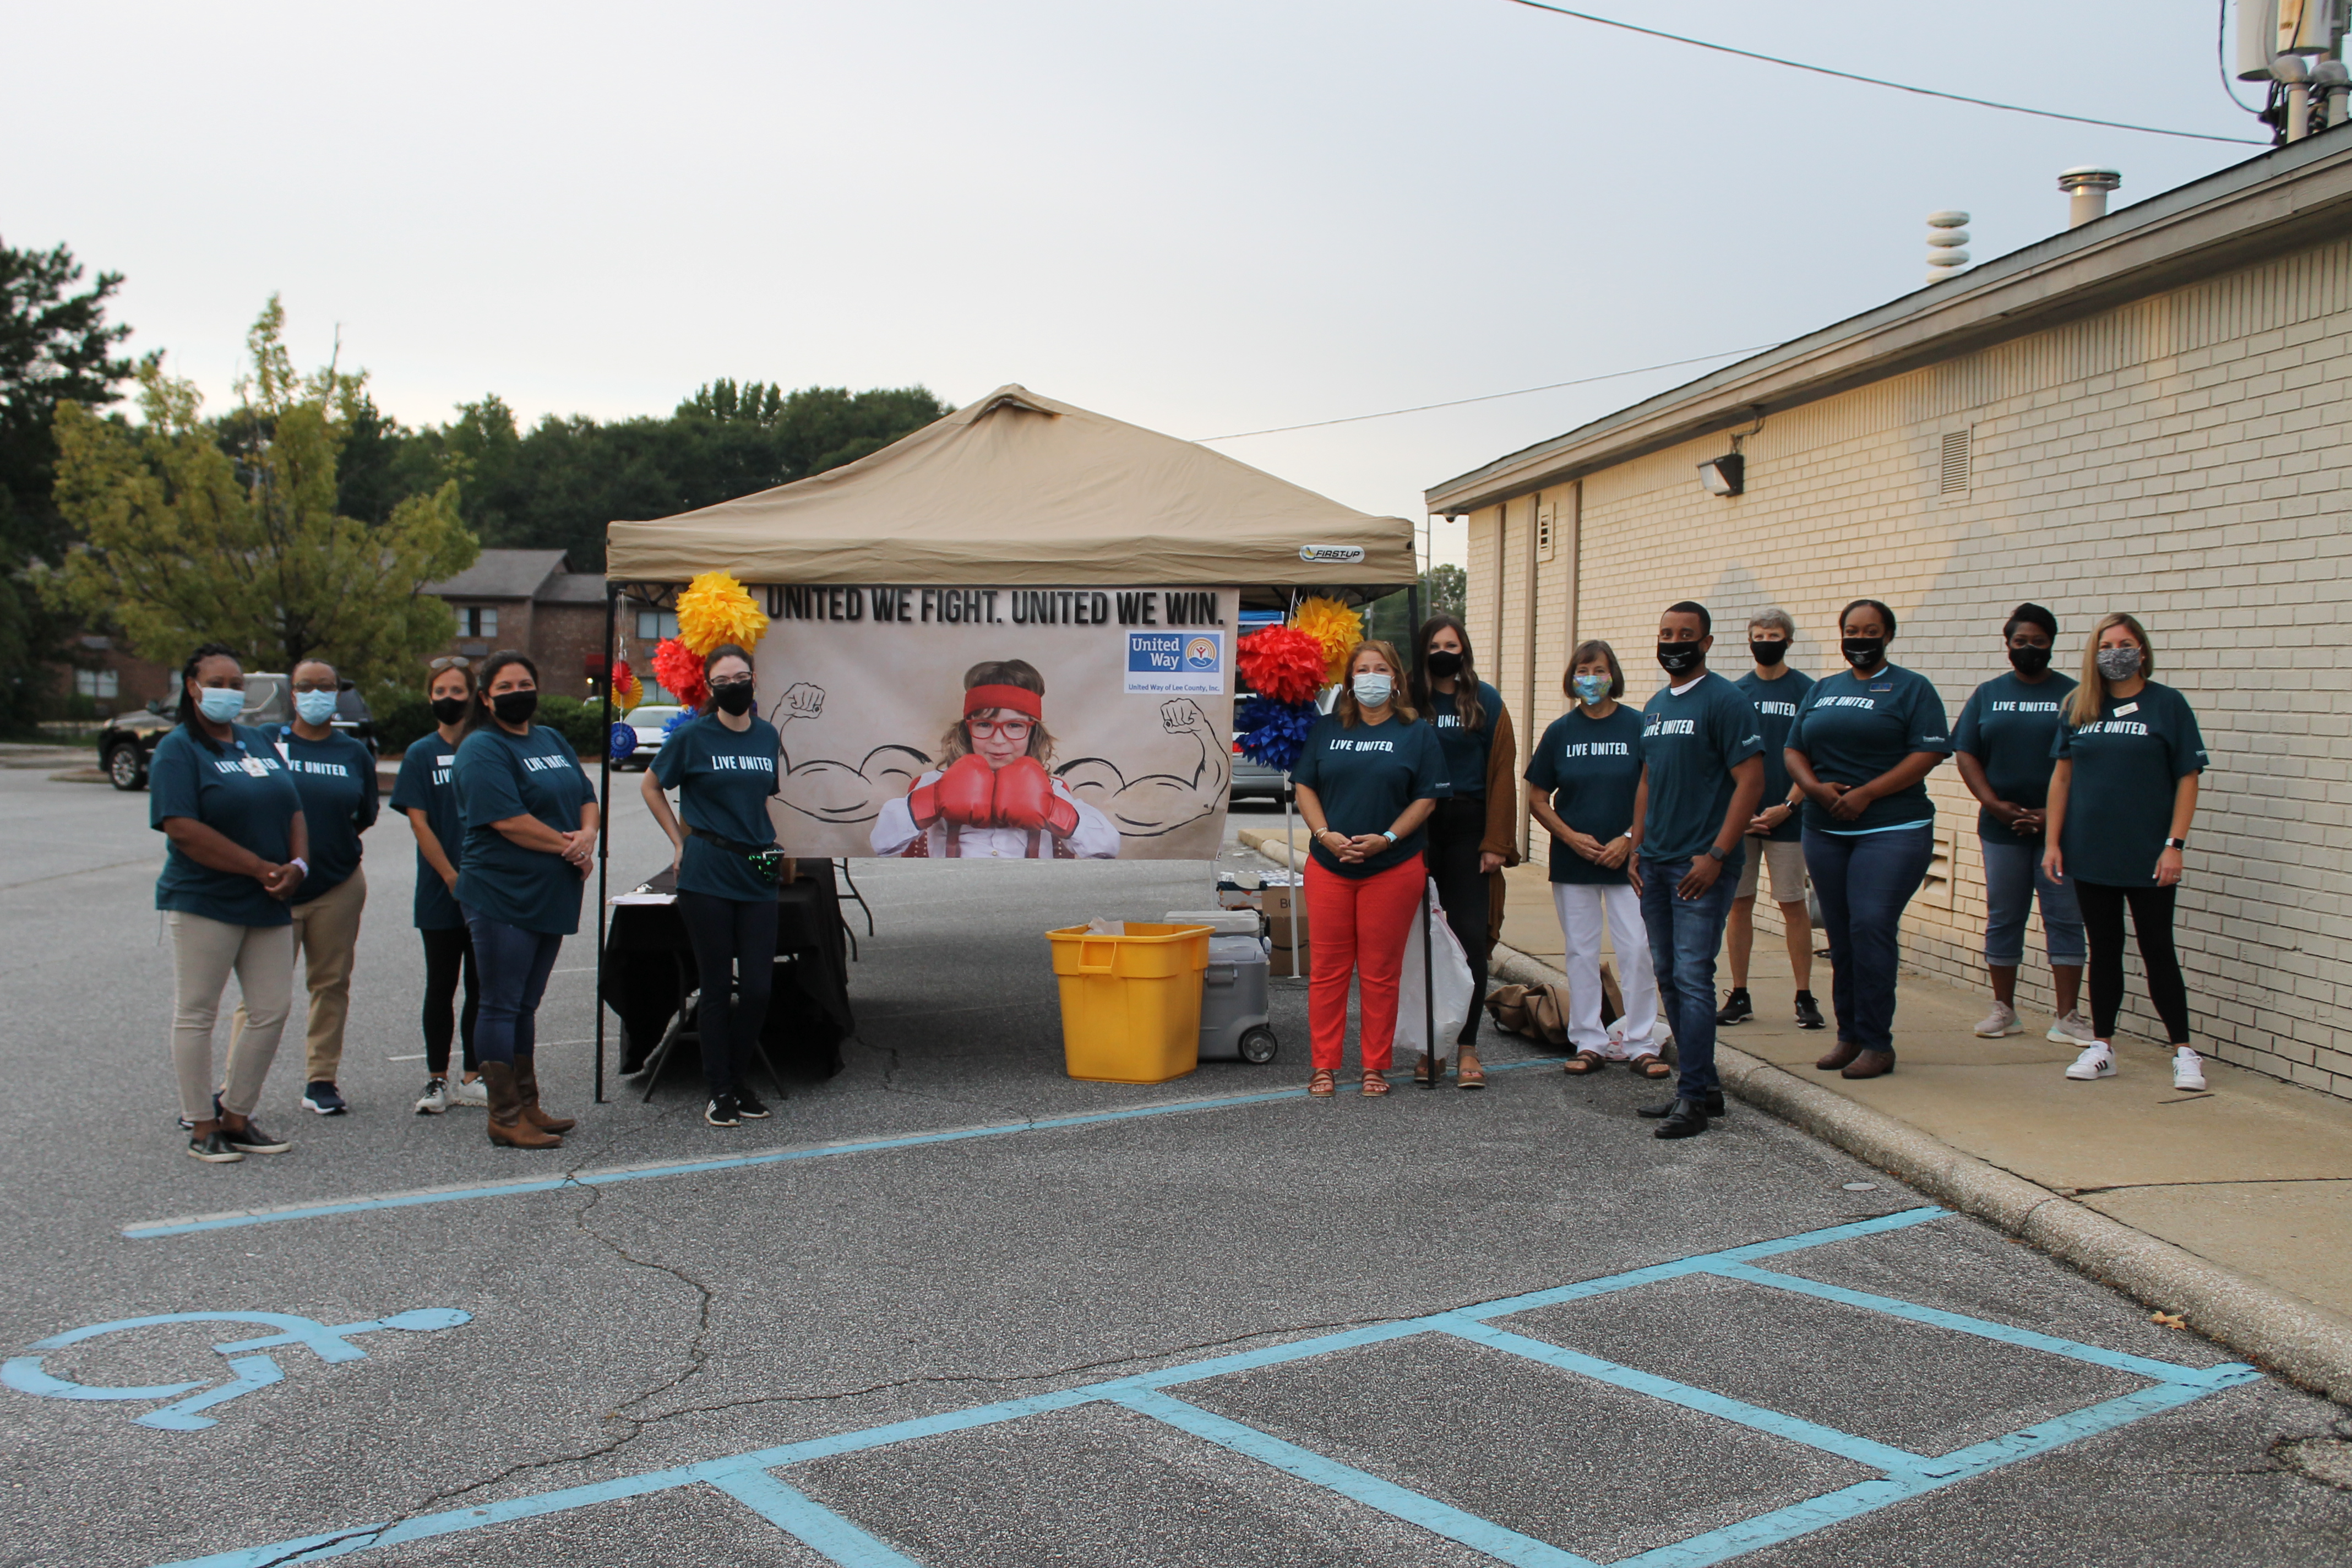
1370	776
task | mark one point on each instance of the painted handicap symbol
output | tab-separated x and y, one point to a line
24	1373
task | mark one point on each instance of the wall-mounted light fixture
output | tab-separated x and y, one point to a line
1723	476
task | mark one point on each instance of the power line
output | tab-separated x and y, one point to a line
1880	81
1489	397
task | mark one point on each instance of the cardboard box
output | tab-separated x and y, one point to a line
1283	960
1276	902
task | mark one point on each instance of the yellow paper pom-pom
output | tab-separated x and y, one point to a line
715	609
1336	627
629	690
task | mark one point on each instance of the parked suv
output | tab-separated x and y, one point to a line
129	739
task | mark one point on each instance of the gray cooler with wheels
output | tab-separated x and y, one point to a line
1233	988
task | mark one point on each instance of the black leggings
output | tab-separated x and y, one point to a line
2103	924
1456	830
737	938
447	956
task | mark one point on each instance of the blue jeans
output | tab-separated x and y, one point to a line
1684	936
1862	880
2013	880
514	964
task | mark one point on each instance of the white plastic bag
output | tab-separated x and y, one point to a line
1449	982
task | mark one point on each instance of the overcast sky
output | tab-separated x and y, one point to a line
1203	217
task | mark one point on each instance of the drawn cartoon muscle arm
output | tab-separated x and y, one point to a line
1157	804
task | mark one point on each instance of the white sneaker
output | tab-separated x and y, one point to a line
463	1093
2187	1070
436	1098
2074	1029
2000	1021
2096	1061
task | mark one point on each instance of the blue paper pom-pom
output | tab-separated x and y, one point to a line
622	740
1273	733
679	721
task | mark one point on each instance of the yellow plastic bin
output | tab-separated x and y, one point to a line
1132	1004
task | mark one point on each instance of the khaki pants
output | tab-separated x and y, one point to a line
327	931
204	953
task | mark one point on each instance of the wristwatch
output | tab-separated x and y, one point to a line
1718	856
2176	844
1389	834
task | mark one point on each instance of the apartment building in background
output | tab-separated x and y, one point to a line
2147	413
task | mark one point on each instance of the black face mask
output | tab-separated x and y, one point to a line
2029	660
733	699
1675	657
515	707
1767	654
449	709
1444	665
1864	653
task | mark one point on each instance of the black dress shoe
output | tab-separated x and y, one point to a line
1713	1104
1686	1119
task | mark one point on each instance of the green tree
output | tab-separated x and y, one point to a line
55	344
196	532
1442	592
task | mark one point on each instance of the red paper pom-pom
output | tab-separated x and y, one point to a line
1281	662
679	669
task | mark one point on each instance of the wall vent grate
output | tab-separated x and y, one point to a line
1954	479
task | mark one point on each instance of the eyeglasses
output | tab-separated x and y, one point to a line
731	680
449	661
1010	729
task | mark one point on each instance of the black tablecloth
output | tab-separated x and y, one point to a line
809	1015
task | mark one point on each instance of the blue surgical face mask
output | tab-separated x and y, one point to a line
1590	689
1373	689
220	703
314	707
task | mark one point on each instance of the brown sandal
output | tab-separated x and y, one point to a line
1649	1065
1323	1084
1584	1062
1467	1073
1374	1083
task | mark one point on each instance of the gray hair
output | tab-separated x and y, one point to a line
1773	615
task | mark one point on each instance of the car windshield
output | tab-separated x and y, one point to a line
653	716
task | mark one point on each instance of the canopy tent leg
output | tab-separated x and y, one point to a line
605	816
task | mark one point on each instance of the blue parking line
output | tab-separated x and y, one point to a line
1796	1429
1484	1535
811	1523
2219	1376
156	1229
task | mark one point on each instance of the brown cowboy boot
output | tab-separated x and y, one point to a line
526	1069
508	1125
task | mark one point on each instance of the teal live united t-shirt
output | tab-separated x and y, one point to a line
1775	703
1854	728
1592	768
533	774
336	778
428	782
724	780
1690	745
1465	749
241	790
2128	764
1365	776
2008	726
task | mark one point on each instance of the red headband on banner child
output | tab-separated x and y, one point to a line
1019	698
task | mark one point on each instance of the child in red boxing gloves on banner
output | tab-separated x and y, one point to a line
990	797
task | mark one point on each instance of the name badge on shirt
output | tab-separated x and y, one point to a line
444	762
1883	686
2127	707
253	765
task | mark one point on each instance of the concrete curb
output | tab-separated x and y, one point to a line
2305	1344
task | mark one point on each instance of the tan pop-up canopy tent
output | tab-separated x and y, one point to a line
1022	491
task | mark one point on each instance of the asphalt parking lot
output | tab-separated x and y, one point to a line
957	1309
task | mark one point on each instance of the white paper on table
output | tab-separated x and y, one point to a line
642	899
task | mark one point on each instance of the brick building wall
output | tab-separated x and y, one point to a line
2181	457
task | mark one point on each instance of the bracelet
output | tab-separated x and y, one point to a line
298	860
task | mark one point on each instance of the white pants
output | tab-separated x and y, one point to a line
1582	906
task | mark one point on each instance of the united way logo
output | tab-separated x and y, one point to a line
1201	653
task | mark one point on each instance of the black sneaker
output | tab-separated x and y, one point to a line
1712	1105
1737	1009
1684	1119
251	1140
721	1112
323	1099
1808	1012
214	1148
749	1105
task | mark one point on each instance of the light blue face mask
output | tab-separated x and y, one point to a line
314	707
1590	689
1372	688
220	703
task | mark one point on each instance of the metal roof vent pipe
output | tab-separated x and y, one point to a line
2087	189
1947	232
2330	78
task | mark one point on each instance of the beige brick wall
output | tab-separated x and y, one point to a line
2182	458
